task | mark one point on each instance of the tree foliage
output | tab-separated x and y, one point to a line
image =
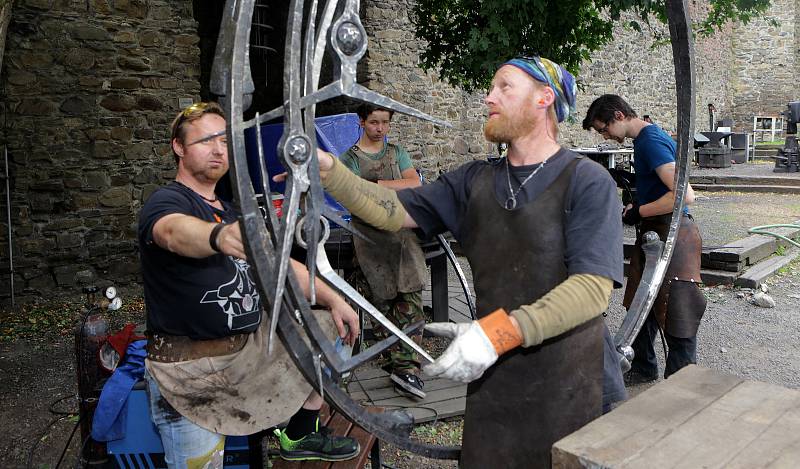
468	39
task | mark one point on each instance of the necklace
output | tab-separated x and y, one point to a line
511	202
211	201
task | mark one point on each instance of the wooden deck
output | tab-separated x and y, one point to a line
370	385
445	398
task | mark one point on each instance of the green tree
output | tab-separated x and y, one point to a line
467	39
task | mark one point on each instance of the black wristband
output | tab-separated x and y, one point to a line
212	238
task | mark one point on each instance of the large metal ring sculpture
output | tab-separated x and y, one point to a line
268	240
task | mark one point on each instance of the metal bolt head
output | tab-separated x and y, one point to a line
298	149
349	37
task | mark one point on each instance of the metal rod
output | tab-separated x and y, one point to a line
8	214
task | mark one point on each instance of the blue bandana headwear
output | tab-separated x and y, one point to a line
556	77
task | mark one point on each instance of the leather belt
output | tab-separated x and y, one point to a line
176	348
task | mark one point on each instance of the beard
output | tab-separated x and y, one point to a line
503	129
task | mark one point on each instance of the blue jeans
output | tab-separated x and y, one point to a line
186	445
681	351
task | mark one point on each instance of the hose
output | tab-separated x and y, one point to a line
762	230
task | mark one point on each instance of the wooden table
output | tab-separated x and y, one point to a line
698	418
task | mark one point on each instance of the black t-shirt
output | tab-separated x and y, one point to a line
203	298
593	228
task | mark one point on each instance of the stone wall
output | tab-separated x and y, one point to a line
88	92
766	76
632	66
88	89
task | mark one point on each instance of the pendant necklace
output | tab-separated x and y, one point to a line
211	201
511	202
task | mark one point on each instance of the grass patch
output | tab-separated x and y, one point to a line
770	142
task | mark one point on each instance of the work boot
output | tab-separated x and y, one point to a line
408	385
318	446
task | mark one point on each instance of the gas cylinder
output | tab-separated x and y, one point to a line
90	333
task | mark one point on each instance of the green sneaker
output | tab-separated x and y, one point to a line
320	445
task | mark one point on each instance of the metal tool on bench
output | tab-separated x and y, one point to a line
338	28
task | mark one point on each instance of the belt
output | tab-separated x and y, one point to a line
176	348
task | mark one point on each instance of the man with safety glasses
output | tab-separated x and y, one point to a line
208	373
680	304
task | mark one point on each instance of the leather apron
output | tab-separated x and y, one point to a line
533	396
680	304
393	262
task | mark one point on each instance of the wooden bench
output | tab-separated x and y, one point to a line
341	426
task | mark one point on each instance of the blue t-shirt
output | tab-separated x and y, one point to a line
651	149
593	227
204	298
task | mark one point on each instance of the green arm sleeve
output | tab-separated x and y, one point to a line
376	205
574	301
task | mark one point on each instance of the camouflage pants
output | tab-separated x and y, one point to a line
403	310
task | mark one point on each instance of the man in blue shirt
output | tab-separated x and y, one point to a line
680	304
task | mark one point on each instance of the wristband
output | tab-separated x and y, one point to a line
212	238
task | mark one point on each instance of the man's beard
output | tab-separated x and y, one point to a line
502	129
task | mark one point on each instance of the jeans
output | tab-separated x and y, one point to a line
186	445
681	351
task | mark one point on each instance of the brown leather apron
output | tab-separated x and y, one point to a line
534	396
680	304
393	262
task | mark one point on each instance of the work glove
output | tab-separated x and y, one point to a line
476	346
631	216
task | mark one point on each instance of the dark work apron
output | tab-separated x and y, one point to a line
533	396
393	262
680	304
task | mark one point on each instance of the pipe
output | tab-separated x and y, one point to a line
8	214
762	230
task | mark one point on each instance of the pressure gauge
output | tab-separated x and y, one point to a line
111	293
115	304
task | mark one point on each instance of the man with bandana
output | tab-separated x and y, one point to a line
542	233
208	373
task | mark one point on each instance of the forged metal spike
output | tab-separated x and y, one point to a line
327	273
220	74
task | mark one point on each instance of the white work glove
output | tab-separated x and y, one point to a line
467	357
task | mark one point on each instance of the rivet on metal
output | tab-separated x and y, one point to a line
349	37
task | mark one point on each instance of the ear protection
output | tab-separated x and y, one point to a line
541	102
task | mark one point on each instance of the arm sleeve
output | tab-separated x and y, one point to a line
574	301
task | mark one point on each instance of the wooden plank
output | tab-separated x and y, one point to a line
697	418
754	276
717	435
633	427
